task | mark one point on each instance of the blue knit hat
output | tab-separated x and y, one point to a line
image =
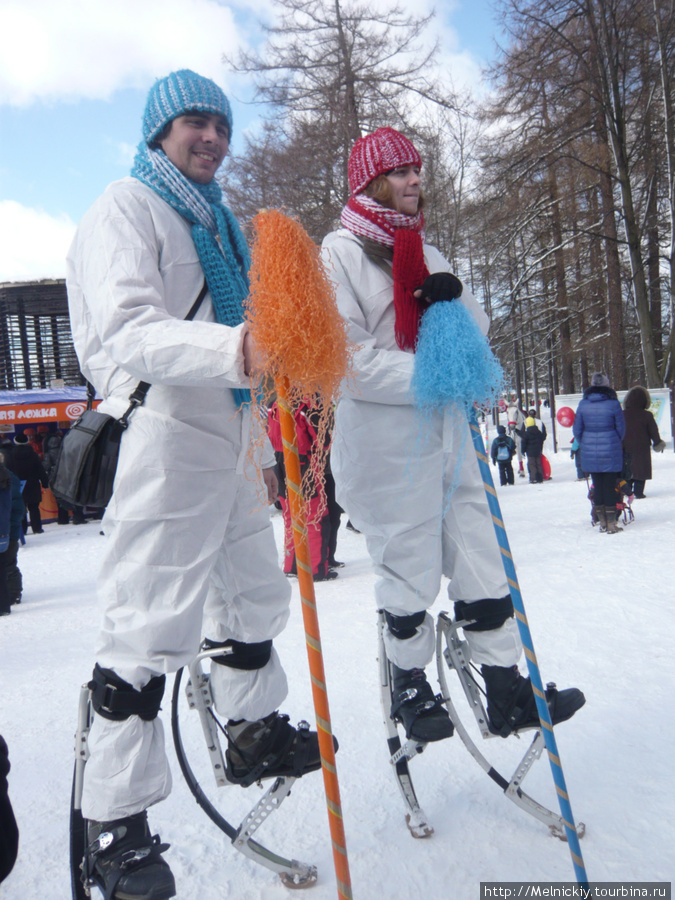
182	92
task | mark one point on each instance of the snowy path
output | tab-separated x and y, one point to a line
602	616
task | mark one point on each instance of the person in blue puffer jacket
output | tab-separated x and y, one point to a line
599	428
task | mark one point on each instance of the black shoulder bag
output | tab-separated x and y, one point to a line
85	468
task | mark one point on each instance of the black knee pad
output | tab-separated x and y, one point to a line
242	655
113	698
488	614
404	627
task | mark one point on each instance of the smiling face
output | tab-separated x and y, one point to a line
196	144
405	188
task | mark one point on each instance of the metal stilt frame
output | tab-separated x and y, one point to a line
452	654
292	873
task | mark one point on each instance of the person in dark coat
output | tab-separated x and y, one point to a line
9	832
7	450
27	467
34	440
334	515
599	428
642	433
5	512
532	414
533	445
11	585
502	452
51	445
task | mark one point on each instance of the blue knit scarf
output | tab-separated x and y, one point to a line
220	245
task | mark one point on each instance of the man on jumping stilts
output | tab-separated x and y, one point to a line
186	535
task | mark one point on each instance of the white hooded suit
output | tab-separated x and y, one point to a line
186	528
394	469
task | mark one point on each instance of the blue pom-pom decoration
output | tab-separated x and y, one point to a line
453	361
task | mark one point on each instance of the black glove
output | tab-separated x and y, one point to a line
441	286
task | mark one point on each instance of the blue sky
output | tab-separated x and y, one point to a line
73	81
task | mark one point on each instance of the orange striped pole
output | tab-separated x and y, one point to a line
296	502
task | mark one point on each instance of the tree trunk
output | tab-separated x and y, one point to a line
609	78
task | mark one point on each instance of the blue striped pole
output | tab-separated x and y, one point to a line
532	665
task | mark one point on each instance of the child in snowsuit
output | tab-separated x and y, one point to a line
575	454
502	452
533	444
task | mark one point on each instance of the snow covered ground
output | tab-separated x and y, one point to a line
602	617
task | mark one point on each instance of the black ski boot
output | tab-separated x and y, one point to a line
270	747
414	705
125	861
511	705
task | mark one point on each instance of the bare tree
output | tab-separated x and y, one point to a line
330	71
581	109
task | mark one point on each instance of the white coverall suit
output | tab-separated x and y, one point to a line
188	535
394	468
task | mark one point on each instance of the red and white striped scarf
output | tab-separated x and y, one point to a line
367	218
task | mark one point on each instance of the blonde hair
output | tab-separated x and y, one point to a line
380	190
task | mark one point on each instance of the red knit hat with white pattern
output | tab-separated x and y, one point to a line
377	153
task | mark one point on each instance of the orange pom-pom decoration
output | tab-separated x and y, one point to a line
294	321
291	310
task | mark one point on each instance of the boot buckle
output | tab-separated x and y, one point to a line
103	841
133	856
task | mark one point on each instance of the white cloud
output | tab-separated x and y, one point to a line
124	152
73	49
462	70
33	244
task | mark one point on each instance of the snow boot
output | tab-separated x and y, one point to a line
610	518
414	705
511	704
328	575
601	517
125	861
269	748
639	489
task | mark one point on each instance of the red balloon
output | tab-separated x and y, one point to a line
565	416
